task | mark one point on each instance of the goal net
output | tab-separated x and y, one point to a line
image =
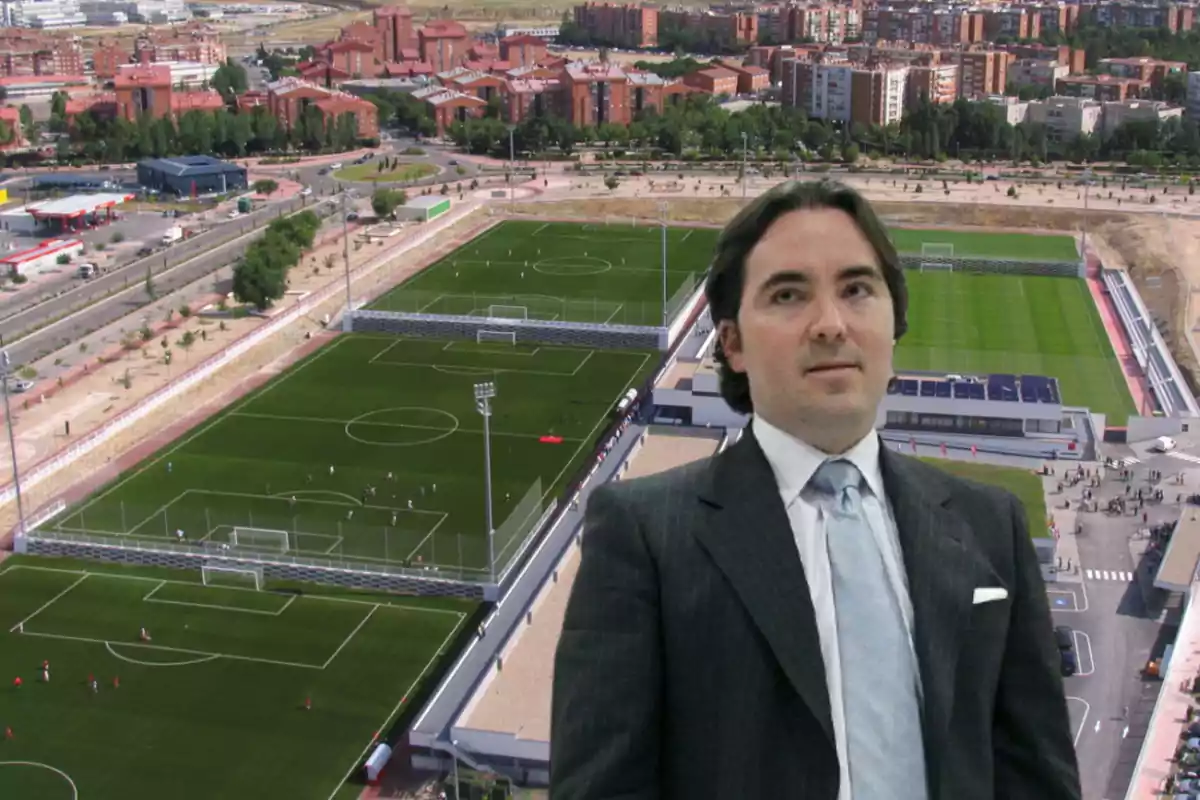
934	250
496	337
260	538
508	312
224	575
936	266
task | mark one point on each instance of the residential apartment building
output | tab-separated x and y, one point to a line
25	52
196	41
937	82
843	92
443	44
626	25
1066	118
288	99
751	79
396	33
726	31
522	50
982	72
1142	68
1014	23
1015	110
1102	87
1057	17
594	93
1193	95
922	25
716	81
1036	72
1118	113
877	95
1174	17
825	23
1073	59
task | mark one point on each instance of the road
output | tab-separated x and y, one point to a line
59	321
1114	612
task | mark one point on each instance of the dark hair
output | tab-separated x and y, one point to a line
727	274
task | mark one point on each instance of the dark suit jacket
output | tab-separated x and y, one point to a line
690	666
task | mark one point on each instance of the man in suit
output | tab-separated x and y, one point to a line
808	615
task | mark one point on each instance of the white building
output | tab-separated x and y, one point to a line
1120	112
1066	118
191	74
1193	95
1015	110
150	12
829	92
547	32
46	14
1037	72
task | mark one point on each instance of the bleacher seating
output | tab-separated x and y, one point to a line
1000	388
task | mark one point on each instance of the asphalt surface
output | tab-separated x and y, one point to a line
1115	613
41	330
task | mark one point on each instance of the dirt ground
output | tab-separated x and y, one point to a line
96	398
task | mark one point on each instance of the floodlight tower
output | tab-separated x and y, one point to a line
662	210
484	392
5	375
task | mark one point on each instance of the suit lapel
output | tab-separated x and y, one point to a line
749	537
937	563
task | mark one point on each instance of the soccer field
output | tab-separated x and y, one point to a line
372	451
606	273
976	324
982	244
213	706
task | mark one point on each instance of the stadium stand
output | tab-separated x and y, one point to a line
1004	388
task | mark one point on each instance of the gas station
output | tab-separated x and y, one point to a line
65	215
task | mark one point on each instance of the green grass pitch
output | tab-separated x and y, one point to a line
300	454
978	324
989	245
214	704
1021	482
607	273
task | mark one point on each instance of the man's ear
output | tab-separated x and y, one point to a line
731	344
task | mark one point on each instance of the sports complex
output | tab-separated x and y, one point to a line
268	598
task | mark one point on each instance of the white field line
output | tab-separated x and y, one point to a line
163	648
21	625
366	618
396	709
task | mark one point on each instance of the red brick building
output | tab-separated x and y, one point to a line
1102	87
395	26
146	89
288	98
593	94
522	50
108	56
713	80
30	52
195	41
443	44
626	25
448	106
751	79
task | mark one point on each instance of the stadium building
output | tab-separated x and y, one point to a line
191	175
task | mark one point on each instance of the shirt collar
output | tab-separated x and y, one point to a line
794	461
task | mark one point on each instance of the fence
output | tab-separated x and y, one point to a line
205	369
596	310
579	334
124	550
1006	266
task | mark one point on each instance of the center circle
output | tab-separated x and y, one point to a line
402	426
572	265
50	777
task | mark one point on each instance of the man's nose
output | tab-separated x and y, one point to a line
828	320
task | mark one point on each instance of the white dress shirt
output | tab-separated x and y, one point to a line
794	463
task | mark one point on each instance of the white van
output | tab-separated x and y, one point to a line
1163	444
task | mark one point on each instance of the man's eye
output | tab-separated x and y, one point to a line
785	296
860	289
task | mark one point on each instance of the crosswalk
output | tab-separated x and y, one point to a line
1111	575
1185	457
1128	462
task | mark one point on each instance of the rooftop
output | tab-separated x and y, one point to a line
77	205
1001	388
189	165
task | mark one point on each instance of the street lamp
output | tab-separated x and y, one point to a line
745	175
512	167
662	209
1087	183
484	392
346	252
5	373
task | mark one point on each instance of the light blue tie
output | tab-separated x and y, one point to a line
879	682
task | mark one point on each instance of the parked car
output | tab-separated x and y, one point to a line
306	191
1064	637
21	386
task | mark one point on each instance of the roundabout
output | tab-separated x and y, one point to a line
33	779
573	266
402	426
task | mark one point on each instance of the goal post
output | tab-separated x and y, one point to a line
496	337
937	266
228	575
932	250
275	541
497	311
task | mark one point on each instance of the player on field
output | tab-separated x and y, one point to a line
45	674
144	635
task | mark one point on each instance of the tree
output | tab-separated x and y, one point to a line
850	153
258	282
26	120
611	182
385	201
150	284
186	341
265	186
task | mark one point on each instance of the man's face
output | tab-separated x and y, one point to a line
815	329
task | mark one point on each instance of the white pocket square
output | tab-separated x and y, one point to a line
988	594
